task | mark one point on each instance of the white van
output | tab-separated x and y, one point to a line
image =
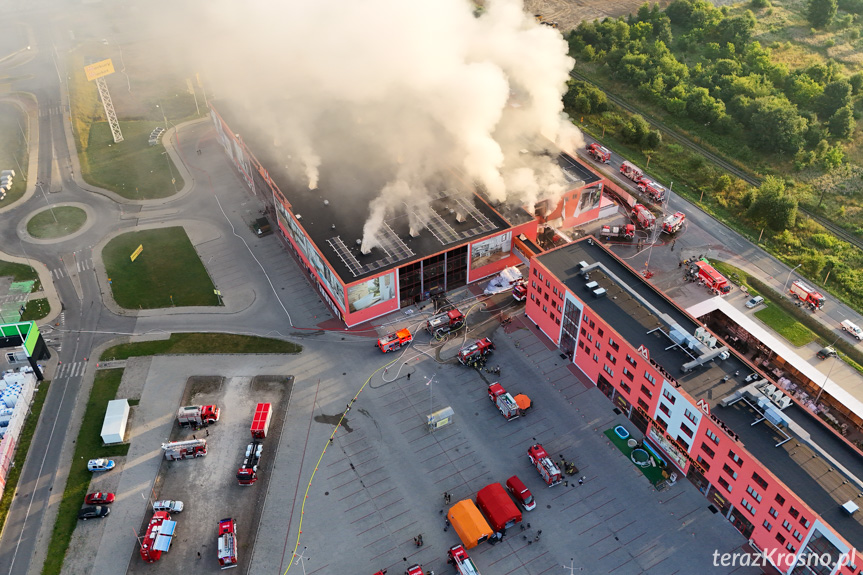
851	327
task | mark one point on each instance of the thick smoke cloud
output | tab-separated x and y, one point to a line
422	94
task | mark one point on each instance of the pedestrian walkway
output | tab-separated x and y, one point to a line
70	370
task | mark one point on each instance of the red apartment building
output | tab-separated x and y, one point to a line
771	468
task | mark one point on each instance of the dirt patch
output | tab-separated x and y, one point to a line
202	385
271	382
569	13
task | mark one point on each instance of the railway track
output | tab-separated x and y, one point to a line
839	232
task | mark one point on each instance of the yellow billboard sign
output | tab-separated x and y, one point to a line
99	69
137	252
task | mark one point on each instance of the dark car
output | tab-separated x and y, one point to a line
93	512
827	352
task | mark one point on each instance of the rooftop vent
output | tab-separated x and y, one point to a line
299	217
601	292
359	242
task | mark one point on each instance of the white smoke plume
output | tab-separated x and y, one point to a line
409	91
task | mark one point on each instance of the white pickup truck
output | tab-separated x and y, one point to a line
852	328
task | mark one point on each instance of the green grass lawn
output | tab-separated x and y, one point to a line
23	447
133	168
56	222
180	343
18	272
36	309
168	272
785	325
88	446
13	149
653	474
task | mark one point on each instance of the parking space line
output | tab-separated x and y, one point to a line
350	494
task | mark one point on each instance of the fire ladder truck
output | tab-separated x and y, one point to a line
227	543
188	449
458	557
395	341
631	172
441	324
474	354
247	474
544	465
504	401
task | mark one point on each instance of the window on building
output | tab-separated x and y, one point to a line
773	512
555	290
613	344
662	423
767	525
759	481
598	344
590	337
729	471
557	321
532	297
625	387
592	324
797	535
707	450
791	548
610	357
643	404
532	283
631	361
786	525
712	436
628	374
793	512
781	538
685	430
551	315
646	392
545	309
669	396
664	409
649	378
595	358
690	416
703	463
584	319
540	276
684	443
534	271
547	284
780	500
747	506
755	495
734	457
600	333
539	290
724	483
545	297
804	522
608	370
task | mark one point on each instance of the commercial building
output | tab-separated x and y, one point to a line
460	237
781	476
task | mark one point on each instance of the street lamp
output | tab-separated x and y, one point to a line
788	278
170	170
42	189
164	116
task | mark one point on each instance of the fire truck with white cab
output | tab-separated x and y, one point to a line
198	415
227	543
544	465
395	341
441	324
476	351
188	449
458	557
673	223
807	295
519	292
599	153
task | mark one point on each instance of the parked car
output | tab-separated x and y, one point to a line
93	512
99	498
521	493
757	300
100	465
827	352
168	505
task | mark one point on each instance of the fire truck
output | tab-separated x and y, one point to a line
188	449
441	324
261	420
463	564
198	415
157	539
673	223
475	352
395	341
519	292
227	543
656	192
631	172
415	569
707	275
626	232
247	474
599	153
544	465
505	403
807	295
643	217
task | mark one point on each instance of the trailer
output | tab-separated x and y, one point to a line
395	341
504	402
261	420
469	524
158	537
806	294
176	450
247	474
458	558
198	415
497	507
227	543
476	352
546	468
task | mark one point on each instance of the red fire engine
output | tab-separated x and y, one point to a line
227	543
631	172
599	153
395	340
458	557
807	295
626	232
247	474
673	223
157	539
414	570
476	351
519	292
656	192
188	449
544	465
707	275
261	421
643	217
441	324
505	402
198	415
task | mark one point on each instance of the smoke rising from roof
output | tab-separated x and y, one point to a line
423	94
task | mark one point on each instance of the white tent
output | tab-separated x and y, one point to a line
116	416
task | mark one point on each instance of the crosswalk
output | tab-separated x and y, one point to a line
81	266
49	111
13	298
70	370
